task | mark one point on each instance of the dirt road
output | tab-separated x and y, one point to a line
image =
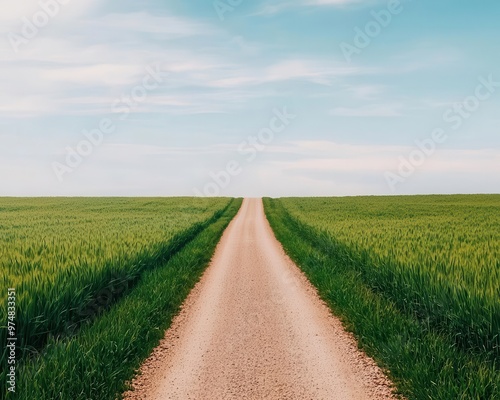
254	328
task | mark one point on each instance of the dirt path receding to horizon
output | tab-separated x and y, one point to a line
255	328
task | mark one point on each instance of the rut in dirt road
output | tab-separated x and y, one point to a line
254	328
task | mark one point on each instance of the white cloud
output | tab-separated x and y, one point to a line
59	67
13	14
308	167
334	2
315	71
277	7
27	106
169	25
324	156
312	168
377	110
97	74
365	92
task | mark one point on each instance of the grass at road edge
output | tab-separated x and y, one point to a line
70	266
97	363
422	364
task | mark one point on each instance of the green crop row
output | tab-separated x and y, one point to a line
416	278
71	259
98	362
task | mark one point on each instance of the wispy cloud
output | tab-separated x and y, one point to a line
337	3
315	71
378	110
169	26
60	68
277	7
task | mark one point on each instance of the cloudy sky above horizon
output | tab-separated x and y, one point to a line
192	97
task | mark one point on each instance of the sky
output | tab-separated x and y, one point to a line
249	98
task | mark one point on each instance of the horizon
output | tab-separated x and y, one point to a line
252	197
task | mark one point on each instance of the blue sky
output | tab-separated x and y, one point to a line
221	75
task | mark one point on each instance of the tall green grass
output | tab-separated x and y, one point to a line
416	278
71	259
98	361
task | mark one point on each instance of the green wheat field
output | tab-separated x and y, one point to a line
98	280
